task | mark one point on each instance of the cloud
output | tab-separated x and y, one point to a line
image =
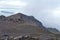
56	12
6	12
16	3
12	4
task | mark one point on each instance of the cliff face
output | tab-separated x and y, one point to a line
20	24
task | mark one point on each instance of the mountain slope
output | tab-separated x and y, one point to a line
20	24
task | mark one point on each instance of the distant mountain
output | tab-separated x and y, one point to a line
20	24
54	30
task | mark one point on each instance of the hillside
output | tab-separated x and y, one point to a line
20	24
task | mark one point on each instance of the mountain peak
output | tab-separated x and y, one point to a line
25	18
19	14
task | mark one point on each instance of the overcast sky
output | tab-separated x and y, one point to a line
46	11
